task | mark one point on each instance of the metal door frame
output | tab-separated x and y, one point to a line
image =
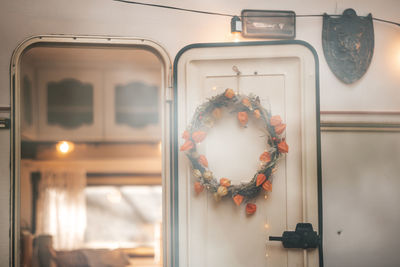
15	158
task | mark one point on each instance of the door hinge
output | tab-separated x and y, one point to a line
169	94
5	123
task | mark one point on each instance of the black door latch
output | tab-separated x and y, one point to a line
304	237
5	123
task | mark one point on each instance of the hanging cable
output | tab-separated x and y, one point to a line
232	15
175	8
387	21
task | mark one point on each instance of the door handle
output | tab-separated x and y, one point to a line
303	237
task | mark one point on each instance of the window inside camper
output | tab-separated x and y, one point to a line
91	175
127	216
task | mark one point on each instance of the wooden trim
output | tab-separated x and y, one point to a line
127	180
98	179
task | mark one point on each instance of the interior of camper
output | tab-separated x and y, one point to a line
91	164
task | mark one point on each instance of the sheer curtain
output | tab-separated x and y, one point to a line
61	207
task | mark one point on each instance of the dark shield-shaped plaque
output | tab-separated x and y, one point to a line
348	43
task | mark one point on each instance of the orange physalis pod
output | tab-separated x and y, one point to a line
238	199
203	160
267	186
246	102
275	120
265	157
199	136
260	179
243	118
251	208
229	93
225	182
257	114
217	113
280	128
198	187
283	147
186	135
187	145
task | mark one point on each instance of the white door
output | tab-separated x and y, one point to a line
219	234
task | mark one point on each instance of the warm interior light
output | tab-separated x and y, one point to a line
65	147
236	36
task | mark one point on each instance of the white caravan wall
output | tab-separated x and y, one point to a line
376	91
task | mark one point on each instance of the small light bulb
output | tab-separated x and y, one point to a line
65	147
236	28
236	36
266	226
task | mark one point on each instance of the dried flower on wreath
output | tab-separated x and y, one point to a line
205	117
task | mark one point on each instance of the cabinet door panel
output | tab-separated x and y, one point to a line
132	101
70	105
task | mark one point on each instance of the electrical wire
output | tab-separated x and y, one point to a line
232	15
387	21
175	8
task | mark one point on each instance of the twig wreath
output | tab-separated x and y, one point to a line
204	118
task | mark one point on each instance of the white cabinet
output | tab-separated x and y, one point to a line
93	105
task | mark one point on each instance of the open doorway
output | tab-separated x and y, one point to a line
91	183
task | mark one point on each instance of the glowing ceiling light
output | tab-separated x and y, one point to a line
65	147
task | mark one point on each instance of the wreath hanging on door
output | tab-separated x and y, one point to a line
204	118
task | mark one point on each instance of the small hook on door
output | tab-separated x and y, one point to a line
238	73
236	70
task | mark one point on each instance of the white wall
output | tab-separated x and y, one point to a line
361	196
376	91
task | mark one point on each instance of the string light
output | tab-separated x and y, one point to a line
236	28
